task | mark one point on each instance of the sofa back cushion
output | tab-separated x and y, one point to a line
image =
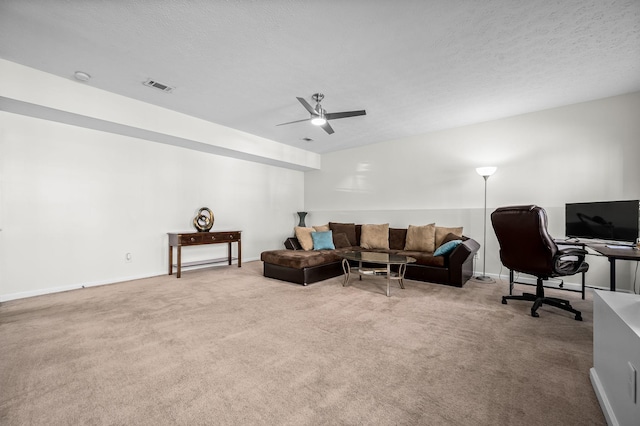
442	232
421	238
340	240
451	237
375	236
397	238
345	228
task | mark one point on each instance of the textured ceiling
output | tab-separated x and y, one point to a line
415	66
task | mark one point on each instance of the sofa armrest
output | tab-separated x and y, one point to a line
461	254
292	243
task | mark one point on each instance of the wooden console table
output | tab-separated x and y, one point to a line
178	240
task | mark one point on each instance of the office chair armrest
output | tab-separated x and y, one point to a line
571	251
570	266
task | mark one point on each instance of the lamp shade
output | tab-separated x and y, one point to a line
486	171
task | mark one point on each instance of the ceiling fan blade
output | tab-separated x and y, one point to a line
308	107
291	122
327	127
346	114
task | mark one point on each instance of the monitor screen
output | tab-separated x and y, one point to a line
605	220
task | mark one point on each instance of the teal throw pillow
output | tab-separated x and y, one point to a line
323	240
446	248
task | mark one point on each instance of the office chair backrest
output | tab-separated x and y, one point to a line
525	244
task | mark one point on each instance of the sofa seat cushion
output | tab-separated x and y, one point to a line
300	259
423	258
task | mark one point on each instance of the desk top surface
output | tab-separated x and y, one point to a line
616	253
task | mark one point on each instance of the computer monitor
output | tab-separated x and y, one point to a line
605	220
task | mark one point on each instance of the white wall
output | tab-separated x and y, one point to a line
582	152
73	201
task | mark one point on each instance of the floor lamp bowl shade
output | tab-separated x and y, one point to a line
486	171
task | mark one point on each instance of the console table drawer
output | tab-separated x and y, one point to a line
208	238
189	239
227	236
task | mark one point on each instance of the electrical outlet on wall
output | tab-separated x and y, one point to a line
128	257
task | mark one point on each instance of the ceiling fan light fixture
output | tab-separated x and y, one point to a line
319	120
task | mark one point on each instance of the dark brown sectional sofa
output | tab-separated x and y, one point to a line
305	267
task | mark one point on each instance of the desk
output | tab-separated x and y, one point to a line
199	238
614	254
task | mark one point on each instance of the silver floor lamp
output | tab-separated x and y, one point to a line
485	172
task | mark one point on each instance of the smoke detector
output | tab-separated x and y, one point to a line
82	76
157	85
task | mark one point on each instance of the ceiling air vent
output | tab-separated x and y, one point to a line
156	85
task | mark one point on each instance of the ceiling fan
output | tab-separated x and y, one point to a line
320	117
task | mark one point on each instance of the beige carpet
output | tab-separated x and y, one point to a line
227	346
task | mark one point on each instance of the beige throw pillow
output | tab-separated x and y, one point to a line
442	232
421	238
322	228
375	236
304	237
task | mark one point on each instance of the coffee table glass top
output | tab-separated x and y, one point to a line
374	257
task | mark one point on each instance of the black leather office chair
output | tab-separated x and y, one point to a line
527	247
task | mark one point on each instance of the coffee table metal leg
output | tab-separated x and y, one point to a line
388	277
401	271
347	271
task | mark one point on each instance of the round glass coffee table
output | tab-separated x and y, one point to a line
377	264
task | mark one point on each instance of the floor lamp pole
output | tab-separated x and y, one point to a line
485	172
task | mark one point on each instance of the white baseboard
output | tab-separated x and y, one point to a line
51	290
605	406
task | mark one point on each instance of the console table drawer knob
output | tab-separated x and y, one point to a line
193	240
213	237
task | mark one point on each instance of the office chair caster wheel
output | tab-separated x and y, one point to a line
578	317
504	301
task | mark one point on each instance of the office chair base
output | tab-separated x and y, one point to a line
539	301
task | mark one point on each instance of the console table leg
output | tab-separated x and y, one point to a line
179	267
170	260
239	253
229	253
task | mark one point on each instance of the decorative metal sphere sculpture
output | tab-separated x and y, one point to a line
203	220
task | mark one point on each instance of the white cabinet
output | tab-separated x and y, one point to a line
616	356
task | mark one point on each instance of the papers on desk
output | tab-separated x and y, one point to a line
611	246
